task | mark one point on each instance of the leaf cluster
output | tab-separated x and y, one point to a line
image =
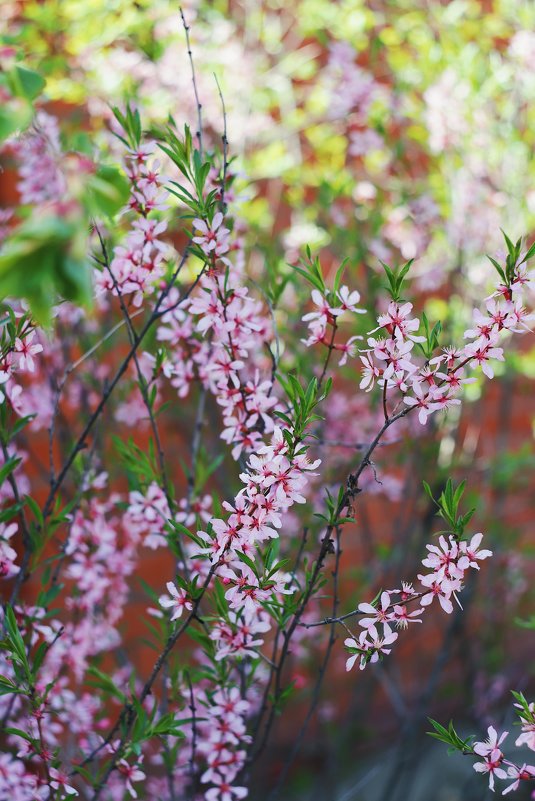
451	738
396	279
448	507
508	272
303	402
24	86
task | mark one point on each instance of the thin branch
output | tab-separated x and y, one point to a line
128	714
81	443
224	140
193	734
194	82
330	347
321	675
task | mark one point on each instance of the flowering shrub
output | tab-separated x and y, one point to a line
131	291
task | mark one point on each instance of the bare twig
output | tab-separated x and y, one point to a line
194	82
321	675
224	140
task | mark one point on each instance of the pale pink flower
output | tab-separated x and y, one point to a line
398	322
350	642
349	299
60	780
444	558
373	644
378	614
224	791
519	773
423	401
438	588
491	743
26	351
132	773
402	617
347	348
528	730
213	237
491	765
177	600
470	553
480	352
370	373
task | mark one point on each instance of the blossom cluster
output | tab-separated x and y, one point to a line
274	481
102	553
494	762
448	563
139	264
39	152
326	315
19	357
229	591
233	328
434	385
222	738
8	555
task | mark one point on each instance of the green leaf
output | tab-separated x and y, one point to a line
20	424
450	736
19	733
8	468
108	191
25	83
167	724
44	259
247	561
529	253
510	246
104	683
36	509
38	658
18	648
15	115
314	280
338	276
498	268
7	687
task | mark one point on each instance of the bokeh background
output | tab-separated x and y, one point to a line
367	130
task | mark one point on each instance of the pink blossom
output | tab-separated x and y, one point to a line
370	373
398	323
443	560
348	349
224	791
402	617
61	780
518	773
481	351
212	237
527	737
190	510
379	614
178	600
491	765
132	773
8	555
26	351
349	299
470	553
441	588
491	743
350	642
423	401
373	644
